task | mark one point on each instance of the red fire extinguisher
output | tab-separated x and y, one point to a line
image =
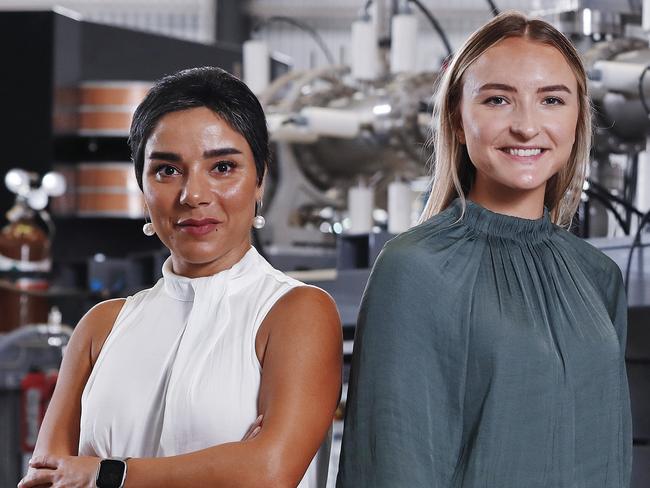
36	391
50	383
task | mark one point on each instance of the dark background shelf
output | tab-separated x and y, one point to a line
43	52
79	148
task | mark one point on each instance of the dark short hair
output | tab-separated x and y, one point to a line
209	87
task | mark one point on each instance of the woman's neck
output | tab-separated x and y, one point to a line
528	204
184	267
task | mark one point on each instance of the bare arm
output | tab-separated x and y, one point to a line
59	433
299	343
301	380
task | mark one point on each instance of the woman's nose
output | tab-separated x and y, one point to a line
196	191
525	123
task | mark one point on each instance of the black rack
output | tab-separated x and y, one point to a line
44	53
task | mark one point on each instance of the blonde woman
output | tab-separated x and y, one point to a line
490	345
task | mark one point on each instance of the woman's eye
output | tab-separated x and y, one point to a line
166	170
496	101
553	101
224	167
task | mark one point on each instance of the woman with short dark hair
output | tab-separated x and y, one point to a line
227	372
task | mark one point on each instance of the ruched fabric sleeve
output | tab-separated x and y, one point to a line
617	303
618	309
404	410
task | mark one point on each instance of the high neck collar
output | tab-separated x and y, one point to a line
501	225
183	288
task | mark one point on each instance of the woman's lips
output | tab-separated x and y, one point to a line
524	155
198	227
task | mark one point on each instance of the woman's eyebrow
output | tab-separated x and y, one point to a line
509	88
165	156
552	88
223	151
210	153
497	86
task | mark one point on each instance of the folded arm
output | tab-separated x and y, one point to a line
299	344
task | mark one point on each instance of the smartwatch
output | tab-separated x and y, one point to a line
111	473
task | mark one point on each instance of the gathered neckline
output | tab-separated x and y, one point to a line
183	287
500	225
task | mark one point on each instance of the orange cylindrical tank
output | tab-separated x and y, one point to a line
24	265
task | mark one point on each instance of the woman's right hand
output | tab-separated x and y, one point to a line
26	482
61	472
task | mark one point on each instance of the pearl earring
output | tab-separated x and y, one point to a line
258	221
148	230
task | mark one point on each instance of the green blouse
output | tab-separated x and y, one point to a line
489	353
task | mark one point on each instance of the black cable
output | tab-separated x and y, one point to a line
629	183
604	200
302	26
493	8
432	20
641	94
436	25
625	203
635	243
605	196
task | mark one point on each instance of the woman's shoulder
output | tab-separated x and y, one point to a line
292	292
282	291
591	260
426	243
304	315
95	326
307	299
101	316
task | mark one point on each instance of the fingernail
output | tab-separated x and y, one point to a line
259	418
256	430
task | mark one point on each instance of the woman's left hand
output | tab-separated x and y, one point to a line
61	472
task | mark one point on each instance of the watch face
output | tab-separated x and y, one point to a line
111	472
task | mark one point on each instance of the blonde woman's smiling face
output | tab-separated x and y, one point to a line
519	111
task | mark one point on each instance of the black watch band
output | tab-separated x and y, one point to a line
111	473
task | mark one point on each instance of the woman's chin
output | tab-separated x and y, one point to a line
525	182
197	255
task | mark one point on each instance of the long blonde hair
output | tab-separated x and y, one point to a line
452	170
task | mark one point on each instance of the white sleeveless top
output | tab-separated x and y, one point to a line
178	371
